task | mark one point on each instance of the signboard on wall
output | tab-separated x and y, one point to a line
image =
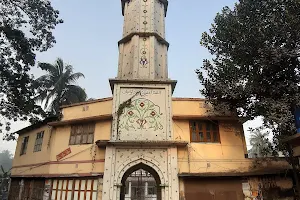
63	154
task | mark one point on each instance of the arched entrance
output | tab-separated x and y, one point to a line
140	182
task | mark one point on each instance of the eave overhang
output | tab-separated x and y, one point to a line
160	39
81	120
233	174
37	125
141	81
74	175
204	117
149	143
87	102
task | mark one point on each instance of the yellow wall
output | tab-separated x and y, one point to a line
32	157
192	107
97	108
78	162
228	155
85	152
188	107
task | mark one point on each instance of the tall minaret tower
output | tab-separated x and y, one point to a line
142	135
143	49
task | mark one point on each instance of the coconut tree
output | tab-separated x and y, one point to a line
58	86
261	146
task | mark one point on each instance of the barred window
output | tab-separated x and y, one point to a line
82	134
204	131
84	188
24	145
38	141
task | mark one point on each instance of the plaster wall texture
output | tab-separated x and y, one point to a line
137	12
255	186
149	115
88	109
60	136
226	156
87	158
90	153
162	160
143	49
199	108
146	116
32	157
148	49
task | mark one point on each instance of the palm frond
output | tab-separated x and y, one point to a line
69	68
74	77
57	86
47	67
59	64
74	94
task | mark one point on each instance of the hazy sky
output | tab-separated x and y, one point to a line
88	40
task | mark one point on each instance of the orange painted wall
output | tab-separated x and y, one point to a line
188	107
95	108
32	157
228	155
84	159
86	152
87	158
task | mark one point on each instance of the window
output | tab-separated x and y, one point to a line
82	134
204	131
24	145
63	189
38	141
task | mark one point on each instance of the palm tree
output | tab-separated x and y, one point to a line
58	87
261	146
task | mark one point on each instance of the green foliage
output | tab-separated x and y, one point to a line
25	28
5	162
255	69
57	87
261	146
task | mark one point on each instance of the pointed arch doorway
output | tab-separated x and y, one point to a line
141	182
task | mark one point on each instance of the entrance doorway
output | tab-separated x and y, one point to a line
141	182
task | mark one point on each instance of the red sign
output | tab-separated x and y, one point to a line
63	154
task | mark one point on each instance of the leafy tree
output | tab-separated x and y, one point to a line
5	161
5	167
57	87
25	28
255	69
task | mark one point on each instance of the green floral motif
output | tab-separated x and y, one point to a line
142	114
